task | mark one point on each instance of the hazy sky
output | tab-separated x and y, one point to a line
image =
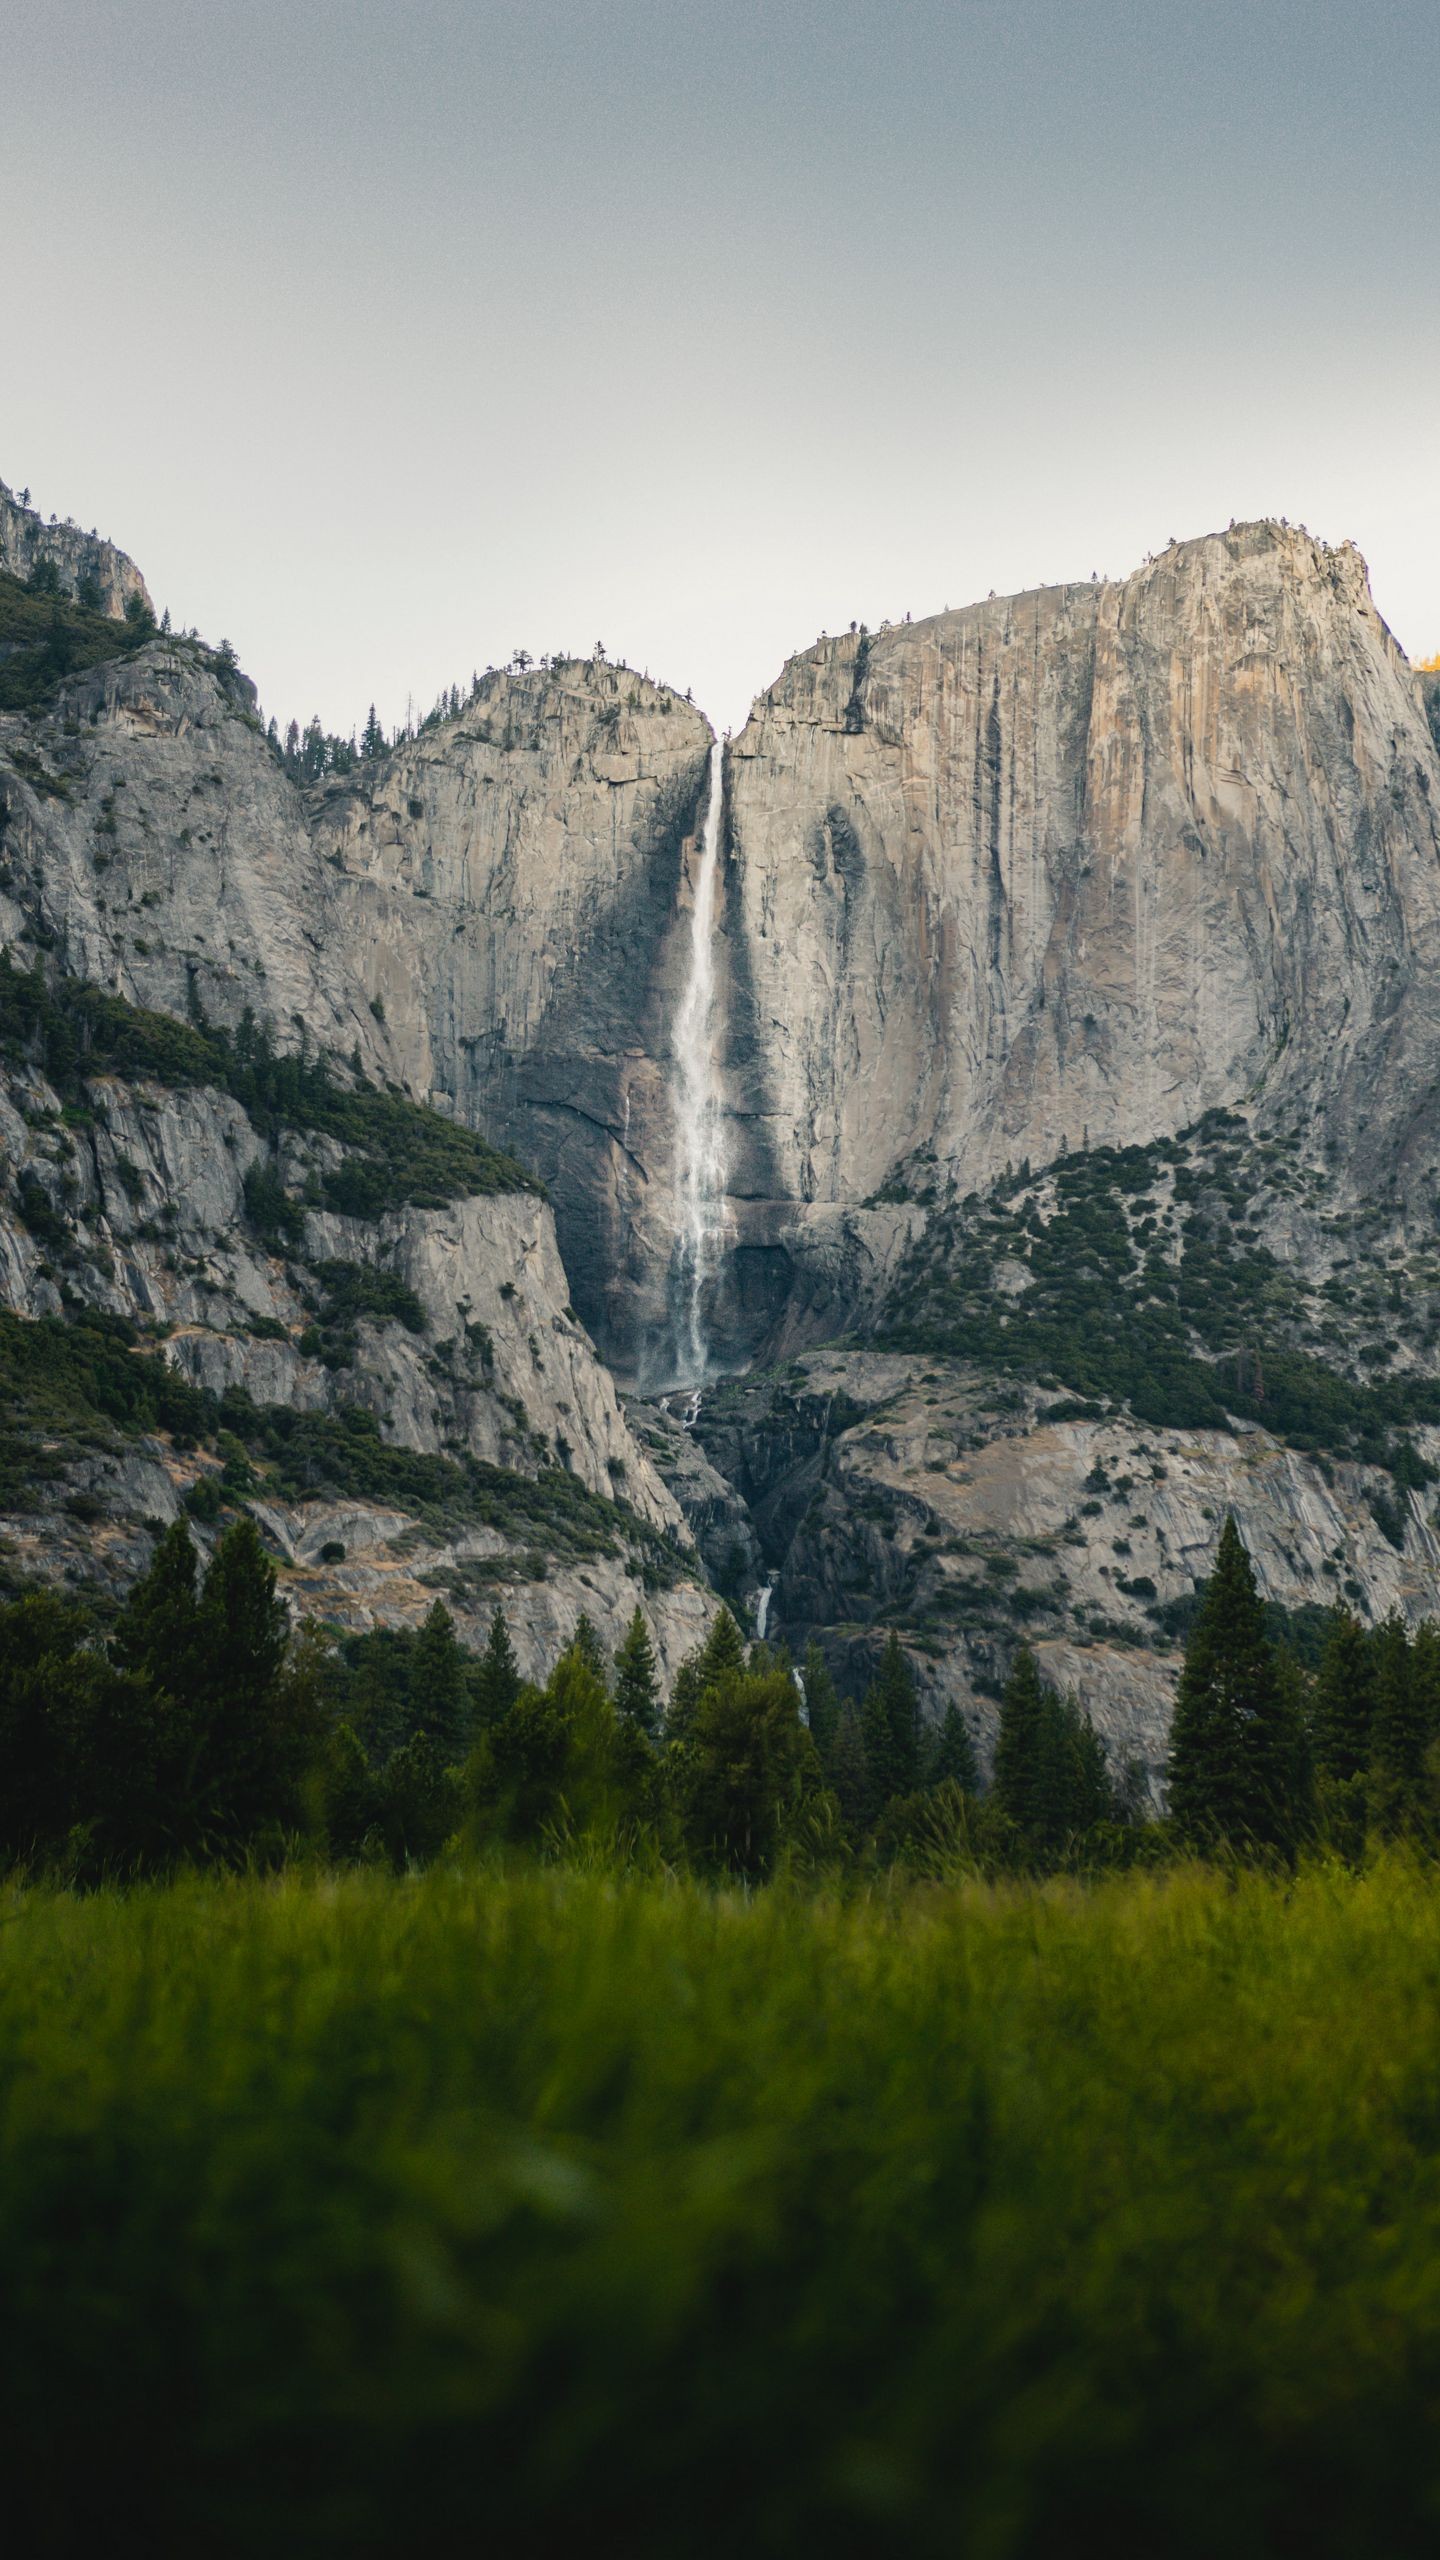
392	338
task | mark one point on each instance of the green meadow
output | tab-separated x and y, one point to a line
523	2210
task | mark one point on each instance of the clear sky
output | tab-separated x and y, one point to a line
391	338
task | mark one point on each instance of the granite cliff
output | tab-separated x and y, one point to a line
1072	868
84	564
1012	901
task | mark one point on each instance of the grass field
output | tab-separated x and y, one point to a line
541	2211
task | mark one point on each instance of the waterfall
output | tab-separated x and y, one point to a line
700	1167
762	1611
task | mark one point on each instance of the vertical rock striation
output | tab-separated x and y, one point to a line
1080	864
510	891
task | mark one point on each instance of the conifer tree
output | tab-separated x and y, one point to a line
246	1769
1019	1747
723	1650
1344	1704
417	1801
847	1768
157	1633
720	1657
1399	1733
349	1793
243	1619
890	1723
1234	1750
1092	1796
952	1757
897	1687
748	1773
497	1675
1425	1679
586	1643
437	1684
883	1767
637	1686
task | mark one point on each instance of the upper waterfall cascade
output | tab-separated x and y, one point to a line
700	1167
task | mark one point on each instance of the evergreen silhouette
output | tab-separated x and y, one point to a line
952	1756
586	1643
637	1686
722	1654
497	1675
1234	1750
847	1767
1018	1785
1344	1702
1402	1730
437	1685
890	1723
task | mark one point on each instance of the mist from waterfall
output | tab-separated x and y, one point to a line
700	1166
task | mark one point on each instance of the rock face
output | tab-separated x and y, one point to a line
135	1207
492	916
1063	870
81	560
1075	866
510	890
924	1497
151	840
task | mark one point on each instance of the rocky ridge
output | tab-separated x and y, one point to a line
84	563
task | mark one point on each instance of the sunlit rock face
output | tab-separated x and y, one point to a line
1078	865
512	892
85	564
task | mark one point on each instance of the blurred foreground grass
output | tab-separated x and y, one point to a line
509	2211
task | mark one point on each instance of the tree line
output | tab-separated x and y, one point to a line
206	1729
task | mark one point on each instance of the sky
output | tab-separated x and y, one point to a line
391	339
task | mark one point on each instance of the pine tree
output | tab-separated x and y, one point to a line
637	1687
349	1794
721	1657
1399	1735
847	1769
897	1687
497	1675
883	1764
586	1643
1344	1707
1233	1746
242	1616
749	1773
723	1651
249	1752
1018	1787
1425	1677
157	1633
437	1684
417	1802
952	1756
372	742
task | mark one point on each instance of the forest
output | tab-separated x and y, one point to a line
203	1729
